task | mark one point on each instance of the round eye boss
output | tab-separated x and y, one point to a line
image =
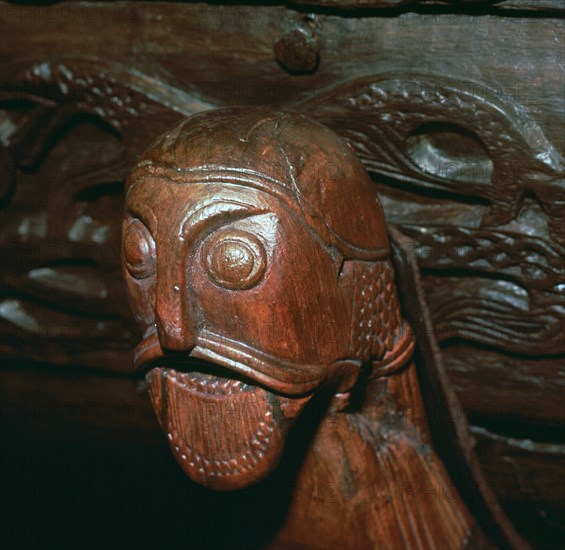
139	250
234	260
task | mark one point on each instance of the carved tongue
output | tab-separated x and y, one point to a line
224	433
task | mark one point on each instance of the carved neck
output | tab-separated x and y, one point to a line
375	470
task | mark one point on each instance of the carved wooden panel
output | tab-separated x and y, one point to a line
489	239
462	142
71	131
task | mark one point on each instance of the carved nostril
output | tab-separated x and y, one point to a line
174	338
174	327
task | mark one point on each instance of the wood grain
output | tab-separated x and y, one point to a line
174	59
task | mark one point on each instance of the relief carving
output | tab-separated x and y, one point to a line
496	214
498	152
70	131
468	175
259	270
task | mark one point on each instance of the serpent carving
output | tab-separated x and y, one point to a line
258	267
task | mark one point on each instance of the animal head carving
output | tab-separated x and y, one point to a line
256	260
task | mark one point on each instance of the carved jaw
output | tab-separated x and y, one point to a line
226	434
226	421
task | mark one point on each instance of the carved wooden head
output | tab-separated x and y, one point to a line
256	260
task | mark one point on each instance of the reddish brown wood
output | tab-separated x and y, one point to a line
85	86
258	268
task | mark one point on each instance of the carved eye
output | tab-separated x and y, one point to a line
139	250
234	259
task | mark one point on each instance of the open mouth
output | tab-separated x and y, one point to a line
226	430
273	373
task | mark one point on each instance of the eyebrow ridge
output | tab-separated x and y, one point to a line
217	210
